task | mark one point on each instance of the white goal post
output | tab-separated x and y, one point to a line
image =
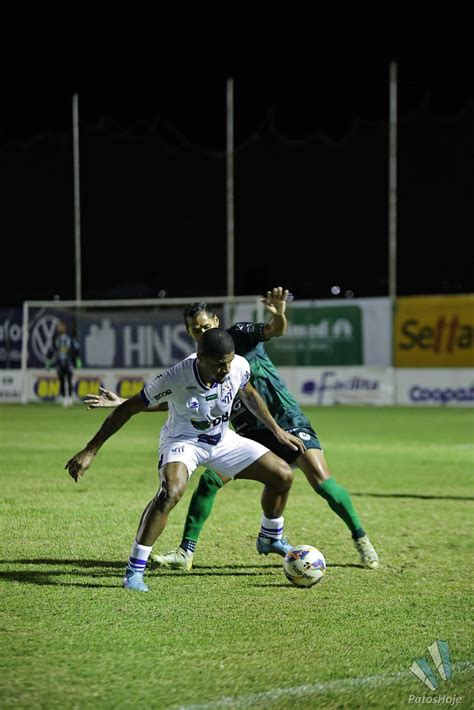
130	334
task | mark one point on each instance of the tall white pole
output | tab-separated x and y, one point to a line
77	202
230	187
392	186
24	354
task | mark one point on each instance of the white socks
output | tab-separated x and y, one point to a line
138	557
272	527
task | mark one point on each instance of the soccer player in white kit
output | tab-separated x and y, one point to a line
199	391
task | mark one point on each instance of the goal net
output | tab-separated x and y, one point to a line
122	343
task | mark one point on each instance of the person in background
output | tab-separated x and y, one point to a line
64	356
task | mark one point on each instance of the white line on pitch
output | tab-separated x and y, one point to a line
301	691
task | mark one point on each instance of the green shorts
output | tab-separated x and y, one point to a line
264	436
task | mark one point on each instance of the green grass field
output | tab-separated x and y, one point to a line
233	633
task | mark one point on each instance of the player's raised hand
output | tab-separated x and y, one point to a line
276	299
105	398
79	463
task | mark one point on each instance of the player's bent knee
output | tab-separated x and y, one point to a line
169	495
285	475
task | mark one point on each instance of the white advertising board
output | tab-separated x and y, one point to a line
312	386
444	387
10	385
319	386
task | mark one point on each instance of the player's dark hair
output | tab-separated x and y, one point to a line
215	342
194	310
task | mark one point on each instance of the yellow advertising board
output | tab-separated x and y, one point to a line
434	331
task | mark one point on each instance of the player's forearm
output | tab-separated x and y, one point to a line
277	325
275	302
255	403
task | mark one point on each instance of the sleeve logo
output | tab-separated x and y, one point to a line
162	394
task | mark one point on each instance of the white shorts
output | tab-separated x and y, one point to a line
229	457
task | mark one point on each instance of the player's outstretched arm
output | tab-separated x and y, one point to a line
107	398
80	462
255	403
275	303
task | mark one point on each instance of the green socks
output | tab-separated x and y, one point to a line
200	506
340	502
203	498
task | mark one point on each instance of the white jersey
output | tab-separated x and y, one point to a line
195	411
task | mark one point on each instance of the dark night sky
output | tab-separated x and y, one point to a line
311	111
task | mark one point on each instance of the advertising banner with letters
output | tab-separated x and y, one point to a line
43	386
320	336
434	331
335	333
328	332
435	388
321	386
312	386
10	386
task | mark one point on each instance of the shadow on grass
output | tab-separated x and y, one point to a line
114	564
411	495
47	578
109	568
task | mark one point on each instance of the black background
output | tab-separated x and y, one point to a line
311	161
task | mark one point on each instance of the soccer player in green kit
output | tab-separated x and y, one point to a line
248	339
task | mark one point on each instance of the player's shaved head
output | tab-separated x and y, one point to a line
216	342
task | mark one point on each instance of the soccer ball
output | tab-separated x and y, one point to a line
304	566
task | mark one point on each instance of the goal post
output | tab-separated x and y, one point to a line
127	334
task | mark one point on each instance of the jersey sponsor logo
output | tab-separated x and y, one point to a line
212	439
203	425
165	393
211	396
238	408
245	327
237	405
200	425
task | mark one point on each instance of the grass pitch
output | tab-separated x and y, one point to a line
233	633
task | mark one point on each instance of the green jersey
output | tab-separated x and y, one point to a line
248	339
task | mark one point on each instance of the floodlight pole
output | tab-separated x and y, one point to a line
77	204
392	212
392	187
230	187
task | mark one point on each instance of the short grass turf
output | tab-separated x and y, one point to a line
233	632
